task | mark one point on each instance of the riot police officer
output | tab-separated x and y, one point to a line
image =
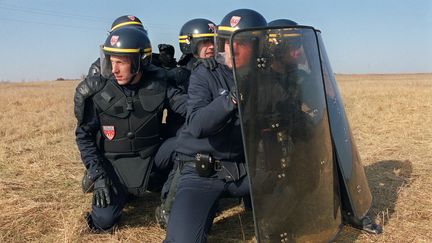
210	151
289	61
90	86
119	134
196	41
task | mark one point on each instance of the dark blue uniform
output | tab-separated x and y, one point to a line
212	129
134	138
179	77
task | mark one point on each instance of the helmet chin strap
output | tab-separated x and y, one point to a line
132	80
135	78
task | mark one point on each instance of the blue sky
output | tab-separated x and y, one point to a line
47	39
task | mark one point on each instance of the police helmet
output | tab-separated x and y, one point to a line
284	35
193	32
282	22
235	20
127	20
127	41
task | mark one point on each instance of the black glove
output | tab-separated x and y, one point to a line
85	89
179	77
210	63
87	183
166	55
102	192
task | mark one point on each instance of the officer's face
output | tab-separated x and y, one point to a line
294	54
242	53
121	68
205	49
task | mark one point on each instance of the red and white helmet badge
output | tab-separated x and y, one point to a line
114	40
234	21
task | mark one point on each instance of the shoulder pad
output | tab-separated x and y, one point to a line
95	83
95	68
155	73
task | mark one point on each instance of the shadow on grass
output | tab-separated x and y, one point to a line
140	211
386	178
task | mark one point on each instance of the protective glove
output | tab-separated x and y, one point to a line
166	55
85	89
210	63
102	192
87	183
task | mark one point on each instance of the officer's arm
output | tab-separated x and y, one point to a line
85	89
176	100
207	114
179	77
86	141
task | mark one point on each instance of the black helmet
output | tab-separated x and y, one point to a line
282	22
285	38
240	19
286	34
194	31
127	20
127	41
235	20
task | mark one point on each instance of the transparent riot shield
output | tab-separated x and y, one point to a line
286	134
355	190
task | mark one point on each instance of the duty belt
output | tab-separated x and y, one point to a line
207	166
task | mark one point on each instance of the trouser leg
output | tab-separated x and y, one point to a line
193	208
163	164
103	219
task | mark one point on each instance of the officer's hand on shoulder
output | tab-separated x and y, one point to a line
210	63
178	76
84	90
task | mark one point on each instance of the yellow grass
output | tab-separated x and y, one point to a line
40	169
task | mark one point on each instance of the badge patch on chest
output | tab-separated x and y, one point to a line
109	132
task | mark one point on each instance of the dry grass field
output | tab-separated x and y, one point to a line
40	168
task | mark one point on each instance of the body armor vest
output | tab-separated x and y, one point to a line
131	124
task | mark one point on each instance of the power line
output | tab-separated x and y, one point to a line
50	24
46	12
52	13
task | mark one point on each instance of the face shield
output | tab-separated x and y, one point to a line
238	51
105	62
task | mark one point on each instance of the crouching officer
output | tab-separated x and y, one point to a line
89	86
209	148
196	41
119	135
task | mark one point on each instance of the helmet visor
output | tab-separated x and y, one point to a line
105	63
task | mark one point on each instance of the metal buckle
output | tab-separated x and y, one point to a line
217	165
